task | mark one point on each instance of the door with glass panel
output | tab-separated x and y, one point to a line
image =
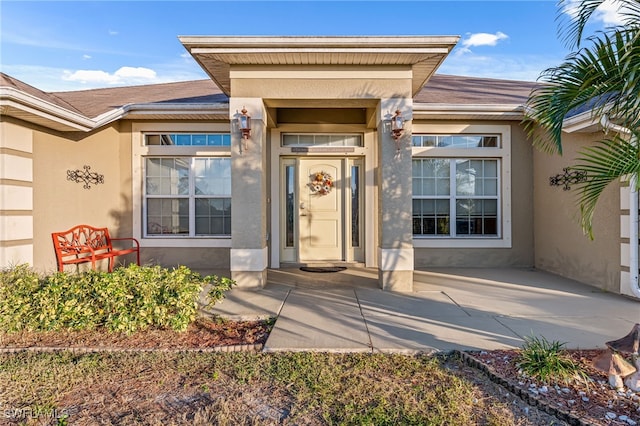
322	205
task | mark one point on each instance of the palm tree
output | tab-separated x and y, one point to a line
603	78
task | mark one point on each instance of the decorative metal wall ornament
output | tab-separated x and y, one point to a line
321	183
567	178
87	176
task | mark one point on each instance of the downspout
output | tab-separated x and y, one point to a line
633	211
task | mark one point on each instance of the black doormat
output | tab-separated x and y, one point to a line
323	269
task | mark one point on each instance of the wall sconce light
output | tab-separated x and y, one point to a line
397	127
244	122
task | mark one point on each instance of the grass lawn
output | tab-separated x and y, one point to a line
244	388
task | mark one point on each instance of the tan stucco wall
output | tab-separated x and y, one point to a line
198	258
60	204
334	90
16	193
521	253
335	84
561	246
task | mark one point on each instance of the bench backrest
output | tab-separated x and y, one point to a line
78	239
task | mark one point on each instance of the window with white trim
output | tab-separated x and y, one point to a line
455	197
461	185
186	195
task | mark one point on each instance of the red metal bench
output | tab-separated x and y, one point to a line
84	244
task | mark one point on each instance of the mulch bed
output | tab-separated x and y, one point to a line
203	334
588	403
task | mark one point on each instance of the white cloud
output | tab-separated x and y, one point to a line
483	39
86	56
607	13
52	79
123	76
113	32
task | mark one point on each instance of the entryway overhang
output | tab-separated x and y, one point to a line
218	54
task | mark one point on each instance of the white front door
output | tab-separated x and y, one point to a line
320	210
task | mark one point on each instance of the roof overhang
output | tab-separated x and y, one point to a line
513	112
217	54
24	106
584	122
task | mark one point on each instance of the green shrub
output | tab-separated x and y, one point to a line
548	361
126	300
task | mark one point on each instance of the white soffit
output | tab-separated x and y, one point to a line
216	54
468	111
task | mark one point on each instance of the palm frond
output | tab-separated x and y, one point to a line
603	163
593	79
573	17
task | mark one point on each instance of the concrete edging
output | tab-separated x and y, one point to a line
85	350
519	391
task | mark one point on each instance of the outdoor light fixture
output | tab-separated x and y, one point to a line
397	125
244	122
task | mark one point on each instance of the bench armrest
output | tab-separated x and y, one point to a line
137	244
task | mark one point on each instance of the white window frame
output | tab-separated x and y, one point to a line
501	153
139	154
191	198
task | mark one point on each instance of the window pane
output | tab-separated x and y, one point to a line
213	216
167	216
491	168
290	207
431	217
490	141
167	176
324	140
465	178
321	140
476	217
355	206
198	140
213	176
491	187
183	139
153	139
305	139
443	186
456	141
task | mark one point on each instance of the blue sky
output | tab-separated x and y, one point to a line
72	45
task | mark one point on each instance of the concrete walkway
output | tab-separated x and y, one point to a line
466	309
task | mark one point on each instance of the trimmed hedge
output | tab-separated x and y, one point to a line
126	300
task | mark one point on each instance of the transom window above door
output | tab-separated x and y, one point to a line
188	139
314	139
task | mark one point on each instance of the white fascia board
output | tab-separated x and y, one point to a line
41	108
505	111
361	50
582	122
165	108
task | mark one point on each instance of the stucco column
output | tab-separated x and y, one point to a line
249	254
395	251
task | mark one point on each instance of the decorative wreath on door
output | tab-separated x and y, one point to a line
321	183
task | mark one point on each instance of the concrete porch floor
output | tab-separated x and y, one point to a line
466	309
